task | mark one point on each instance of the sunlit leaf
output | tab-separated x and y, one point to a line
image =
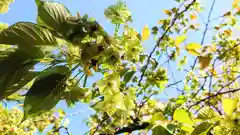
182	116
145	33
27	34
193	48
180	39
187	128
52	15
229	105
235	3
160	130
206	113
167	12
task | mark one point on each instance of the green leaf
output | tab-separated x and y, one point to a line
123	72
52	15
206	113
27	34
160	130
202	129
74	95
182	116
229	105
21	83
128	76
171	127
46	91
193	48
13	68
180	39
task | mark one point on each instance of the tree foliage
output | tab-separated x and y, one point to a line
72	48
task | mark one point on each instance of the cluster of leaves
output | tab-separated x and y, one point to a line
75	47
9	122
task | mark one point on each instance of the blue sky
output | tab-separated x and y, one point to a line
143	12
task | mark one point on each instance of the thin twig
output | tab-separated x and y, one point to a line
215	95
205	30
162	37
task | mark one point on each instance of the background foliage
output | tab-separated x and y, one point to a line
72	48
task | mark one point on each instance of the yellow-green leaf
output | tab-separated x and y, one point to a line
193	48
145	33
235	3
229	105
180	39
182	116
167	12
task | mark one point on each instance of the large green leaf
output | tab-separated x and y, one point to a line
52	15
229	105
21	83
13	68
160	130
202	129
206	113
27	34
46	91
182	116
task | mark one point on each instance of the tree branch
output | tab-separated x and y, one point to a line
130	128
162	37
215	95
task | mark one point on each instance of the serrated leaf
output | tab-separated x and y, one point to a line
206	113
160	130
27	34
204	61
179	40
46	91
128	76
229	105
13	68
52	15
145	33
182	116
202	129
193	48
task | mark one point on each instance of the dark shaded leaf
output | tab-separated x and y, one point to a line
202	129
123	72
20	84
160	130
27	34
46	91
52	15
171	127
13	68
128	76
